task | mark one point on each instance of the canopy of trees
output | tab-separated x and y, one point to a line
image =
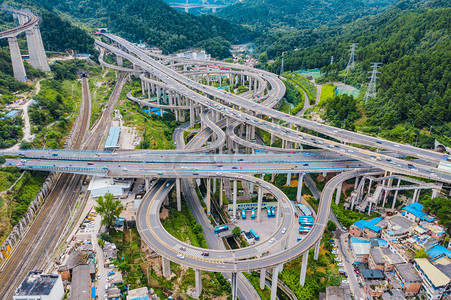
265	14
441	208
150	21
109	209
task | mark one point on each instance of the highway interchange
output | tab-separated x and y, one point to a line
335	155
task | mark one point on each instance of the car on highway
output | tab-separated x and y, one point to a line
345	281
90	163
195	174
272	240
180	256
234	168
183	248
340	265
205	254
168	184
337	259
284	230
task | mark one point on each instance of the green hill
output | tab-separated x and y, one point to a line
267	14
150	21
413	89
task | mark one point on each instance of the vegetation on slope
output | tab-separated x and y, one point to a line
413	93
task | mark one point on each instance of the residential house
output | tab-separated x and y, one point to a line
435	282
411	281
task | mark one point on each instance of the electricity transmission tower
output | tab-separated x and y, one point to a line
371	90
350	65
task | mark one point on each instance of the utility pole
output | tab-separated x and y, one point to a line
350	65
371	90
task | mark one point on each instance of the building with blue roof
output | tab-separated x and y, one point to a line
438	251
414	212
364	228
113	138
12	114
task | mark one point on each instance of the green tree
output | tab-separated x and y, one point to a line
109	209
2	160
331	226
236	231
421	254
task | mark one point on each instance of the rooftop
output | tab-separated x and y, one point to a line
438	250
372	274
416	209
376	254
407	272
36	283
402	222
391	257
80	283
371	224
113	137
138	294
443	264
435	276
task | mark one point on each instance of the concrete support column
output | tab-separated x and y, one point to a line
234	286
299	192
208	202
32	51
337	198
275	279
198	278
288	178
119	60
16	60
414	198
179	196
166	265
221	188
259	203
147	184
262	278
369	208
272	139
192	117
41	51
303	268
356	184
234	198
214	185
316	254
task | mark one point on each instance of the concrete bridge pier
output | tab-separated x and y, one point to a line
337	198
198	278
16	60
275	279
147	184
221	188
234	286
166	266
259	204
179	196
303	268
316	254
262	278
288	178
192	116
396	194
299	191
44	64
119	60
234	198
208	198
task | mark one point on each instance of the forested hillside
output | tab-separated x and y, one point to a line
413	90
150	21
266	14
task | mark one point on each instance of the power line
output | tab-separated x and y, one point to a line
371	90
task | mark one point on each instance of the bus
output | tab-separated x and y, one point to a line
221	228
273	212
257	238
307	224
243	214
253	214
93	293
304	230
268	211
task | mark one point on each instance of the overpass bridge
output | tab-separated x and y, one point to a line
28	23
